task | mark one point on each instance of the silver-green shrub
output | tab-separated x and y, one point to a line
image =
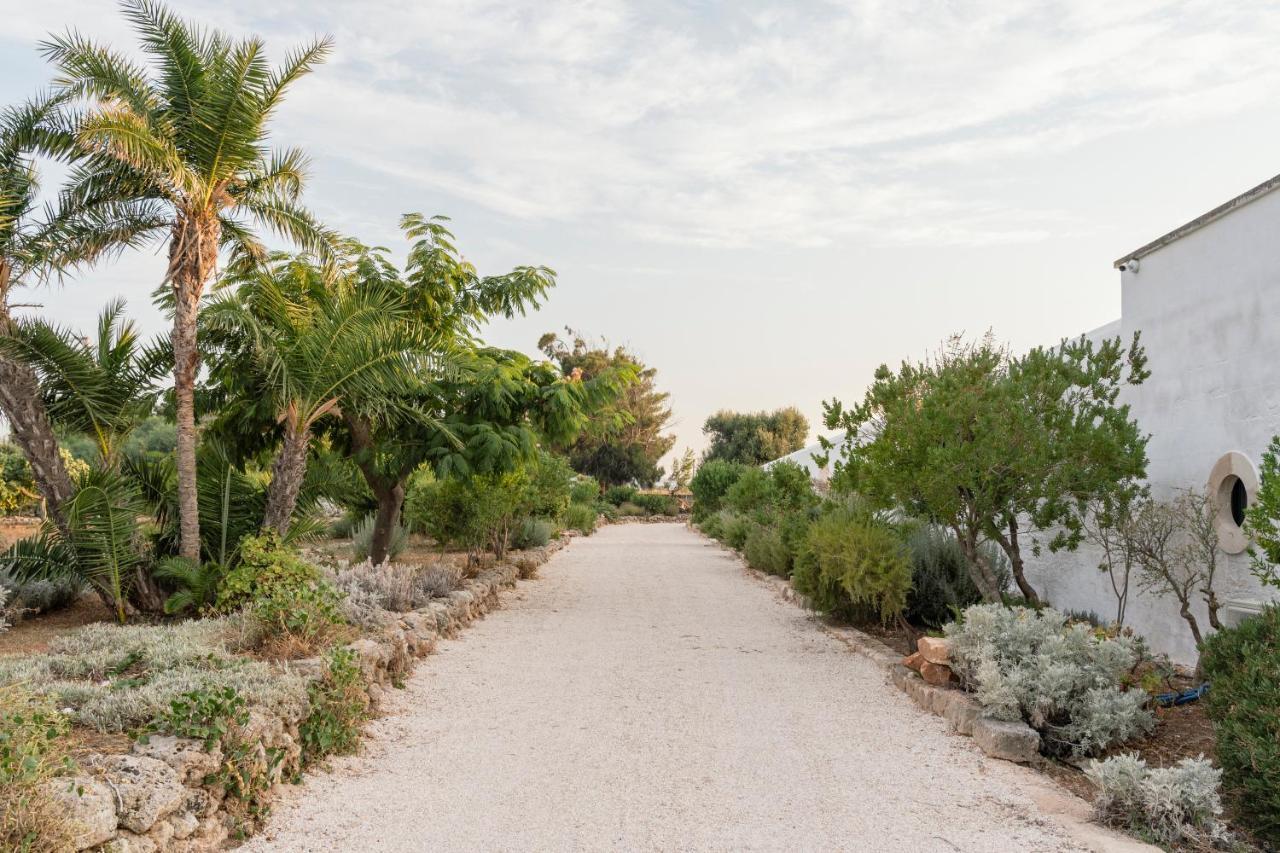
395	587
362	538
1065	680
4	601
1169	805
39	596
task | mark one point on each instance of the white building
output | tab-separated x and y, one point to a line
804	458
1203	297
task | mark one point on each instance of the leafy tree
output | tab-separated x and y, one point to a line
682	470
290	345
755	438
103	387
623	441
1262	518
710	484
176	152
1011	451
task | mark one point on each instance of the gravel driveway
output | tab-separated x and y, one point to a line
646	693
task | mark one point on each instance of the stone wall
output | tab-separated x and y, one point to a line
154	799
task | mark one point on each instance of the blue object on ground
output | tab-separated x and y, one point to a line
1191	694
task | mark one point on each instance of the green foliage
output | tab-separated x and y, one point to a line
765	550
549	487
735	529
584	490
17	486
853	564
1171	806
532	533
1065	680
618	495
339	705
713	526
582	518
266	567
1262	518
474	513
1243	667
940	583
196	584
40	595
935	439
751	493
709	485
656	504
624	440
755	438
206	715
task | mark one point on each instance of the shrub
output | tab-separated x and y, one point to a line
1168	806
941	586
1243	665
753	491
627	509
33	752
339	705
474	513
362	538
549	488
4	602
582	518
39	595
1065	680
853	564
532	533
584	490
736	529
618	495
392	587
765	550
713	526
713	478
265	566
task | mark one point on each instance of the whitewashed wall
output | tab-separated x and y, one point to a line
1208	307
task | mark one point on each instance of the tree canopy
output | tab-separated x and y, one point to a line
754	438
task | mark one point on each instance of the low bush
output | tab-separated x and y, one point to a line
709	484
753	491
1168	806
941	586
853	565
765	550
736	528
362	538
582	518
618	495
584	490
265	566
33	752
1243	666
369	591
713	526
119	678
627	509
28	598
1065	680
532	533
657	504
339	705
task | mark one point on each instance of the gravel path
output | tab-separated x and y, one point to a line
647	694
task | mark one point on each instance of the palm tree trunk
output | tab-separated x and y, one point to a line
193	256
21	403
385	520
286	478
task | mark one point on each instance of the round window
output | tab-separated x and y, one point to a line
1232	485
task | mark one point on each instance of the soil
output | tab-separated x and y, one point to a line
33	634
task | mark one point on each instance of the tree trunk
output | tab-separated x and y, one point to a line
21	403
1212	603
979	571
386	520
193	256
1011	549
286	478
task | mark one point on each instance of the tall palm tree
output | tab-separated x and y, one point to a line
294	348
182	144
103	386
34	246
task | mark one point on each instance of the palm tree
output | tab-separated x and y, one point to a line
294	348
103	387
182	146
33	249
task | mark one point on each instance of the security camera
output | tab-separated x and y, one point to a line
1130	266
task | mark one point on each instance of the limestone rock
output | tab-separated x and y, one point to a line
127	842
913	661
186	756
90	805
373	658
961	713
935	649
147	789
184	824
1011	741
936	673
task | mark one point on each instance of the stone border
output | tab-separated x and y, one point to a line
1069	811
154	800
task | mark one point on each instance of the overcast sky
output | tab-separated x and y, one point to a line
764	200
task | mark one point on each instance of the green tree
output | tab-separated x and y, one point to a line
1011	451
755	438
103	387
682	470
623	441
1262	518
177	152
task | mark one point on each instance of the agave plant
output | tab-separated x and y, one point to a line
180	148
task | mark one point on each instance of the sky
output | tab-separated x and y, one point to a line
765	201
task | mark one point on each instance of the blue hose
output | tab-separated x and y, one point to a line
1191	694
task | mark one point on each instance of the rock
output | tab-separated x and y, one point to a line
941	699
130	843
184	824
308	668
900	676
186	756
936	673
90	805
147	789
373	657
161	834
1010	741
913	661
961	711
935	649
